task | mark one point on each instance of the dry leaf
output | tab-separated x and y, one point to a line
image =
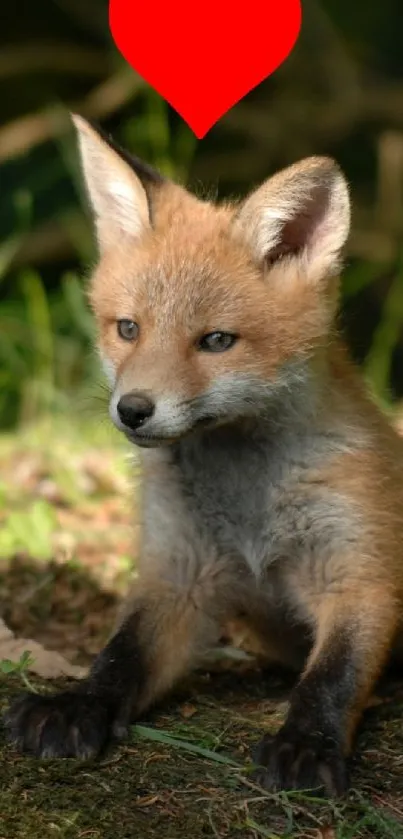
326	832
188	711
46	663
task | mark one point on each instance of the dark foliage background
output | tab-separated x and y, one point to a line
339	93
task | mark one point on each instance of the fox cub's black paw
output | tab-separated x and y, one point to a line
70	724
296	760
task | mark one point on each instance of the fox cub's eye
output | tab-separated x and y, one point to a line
127	329
217	342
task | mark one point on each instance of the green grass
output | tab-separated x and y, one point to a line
182	743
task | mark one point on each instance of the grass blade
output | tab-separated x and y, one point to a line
164	737
262	831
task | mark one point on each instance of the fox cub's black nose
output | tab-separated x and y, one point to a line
134	409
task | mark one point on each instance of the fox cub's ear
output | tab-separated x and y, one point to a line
302	212
117	191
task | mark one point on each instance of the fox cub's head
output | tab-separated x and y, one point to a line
205	312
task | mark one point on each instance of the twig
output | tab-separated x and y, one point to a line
51	57
279	798
21	135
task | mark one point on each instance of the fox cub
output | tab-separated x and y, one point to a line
272	487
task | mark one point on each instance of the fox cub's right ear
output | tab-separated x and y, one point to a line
118	193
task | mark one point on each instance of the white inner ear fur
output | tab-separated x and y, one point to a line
303	213
117	197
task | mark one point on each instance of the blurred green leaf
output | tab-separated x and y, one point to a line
30	531
379	359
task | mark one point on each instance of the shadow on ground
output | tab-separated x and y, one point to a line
63	606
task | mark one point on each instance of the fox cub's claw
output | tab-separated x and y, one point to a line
296	760
69	724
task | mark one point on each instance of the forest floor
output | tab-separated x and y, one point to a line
67	546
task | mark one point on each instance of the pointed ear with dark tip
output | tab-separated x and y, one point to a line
118	197
302	213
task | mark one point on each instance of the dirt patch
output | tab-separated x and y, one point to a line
60	605
67	537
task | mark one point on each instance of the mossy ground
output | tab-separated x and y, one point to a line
64	565
148	788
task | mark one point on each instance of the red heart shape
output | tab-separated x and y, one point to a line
204	58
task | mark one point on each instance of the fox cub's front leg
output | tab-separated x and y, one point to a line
80	721
165	633
354	635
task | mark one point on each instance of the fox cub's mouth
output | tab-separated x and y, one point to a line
149	441
140	437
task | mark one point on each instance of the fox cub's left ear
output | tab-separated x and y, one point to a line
118	186
303	213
